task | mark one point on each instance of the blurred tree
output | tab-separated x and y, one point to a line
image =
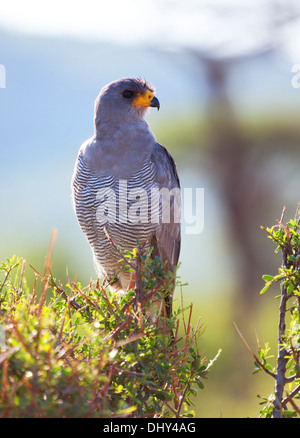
219	35
241	177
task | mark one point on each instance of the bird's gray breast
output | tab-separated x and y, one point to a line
119	152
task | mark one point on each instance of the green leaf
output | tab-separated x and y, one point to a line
200	384
267	277
264	289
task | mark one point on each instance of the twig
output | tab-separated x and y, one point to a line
281	356
138	282
48	259
60	290
116	248
42	298
182	398
5	384
282	216
295	407
120	327
22	275
253	354
129	340
172	410
6	276
183	319
109	303
291	395
151	293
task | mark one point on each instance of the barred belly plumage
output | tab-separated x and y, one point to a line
125	226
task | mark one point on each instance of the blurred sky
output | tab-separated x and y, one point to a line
229	27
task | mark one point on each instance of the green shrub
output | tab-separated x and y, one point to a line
73	351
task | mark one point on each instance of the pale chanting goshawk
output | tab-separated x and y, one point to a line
123	160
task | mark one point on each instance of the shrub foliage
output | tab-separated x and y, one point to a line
73	351
286	372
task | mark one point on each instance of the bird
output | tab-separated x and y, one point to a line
124	158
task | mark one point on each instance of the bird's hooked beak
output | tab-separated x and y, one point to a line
155	103
146	99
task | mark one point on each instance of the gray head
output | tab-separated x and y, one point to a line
124	100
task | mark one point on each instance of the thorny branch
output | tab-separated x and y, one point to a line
287	237
282	353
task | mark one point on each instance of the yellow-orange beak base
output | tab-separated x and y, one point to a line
143	99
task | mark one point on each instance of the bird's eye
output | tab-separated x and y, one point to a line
127	94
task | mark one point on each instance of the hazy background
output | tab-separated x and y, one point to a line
225	74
